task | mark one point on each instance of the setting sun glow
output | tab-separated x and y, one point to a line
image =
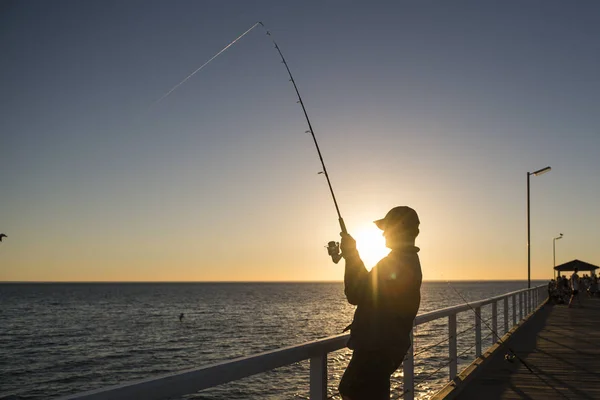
371	245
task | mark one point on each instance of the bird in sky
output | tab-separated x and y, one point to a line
2	235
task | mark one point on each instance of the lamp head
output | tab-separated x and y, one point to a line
541	171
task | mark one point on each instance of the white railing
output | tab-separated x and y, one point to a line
193	380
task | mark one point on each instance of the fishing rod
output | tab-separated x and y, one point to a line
512	354
507	357
333	247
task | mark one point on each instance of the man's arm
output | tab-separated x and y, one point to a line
355	274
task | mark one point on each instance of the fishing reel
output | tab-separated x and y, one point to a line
333	249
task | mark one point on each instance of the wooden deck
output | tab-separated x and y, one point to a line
560	345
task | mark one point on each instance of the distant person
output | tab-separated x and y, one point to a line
575	286
564	290
552	291
181	317
593	288
387	300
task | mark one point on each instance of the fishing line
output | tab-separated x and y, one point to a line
405	391
478	315
332	247
205	64
504	343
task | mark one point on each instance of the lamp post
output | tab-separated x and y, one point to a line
536	173
554	251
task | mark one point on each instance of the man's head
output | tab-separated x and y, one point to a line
400	226
575	269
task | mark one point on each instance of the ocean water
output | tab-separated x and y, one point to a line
58	339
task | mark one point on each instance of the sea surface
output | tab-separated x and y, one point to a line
63	338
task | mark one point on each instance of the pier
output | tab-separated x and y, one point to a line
514	311
559	352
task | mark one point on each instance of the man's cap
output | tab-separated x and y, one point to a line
401	217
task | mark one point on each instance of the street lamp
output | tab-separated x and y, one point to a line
536	173
554	251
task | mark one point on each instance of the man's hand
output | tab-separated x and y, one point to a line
347	244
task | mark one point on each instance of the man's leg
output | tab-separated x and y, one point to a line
367	376
571	300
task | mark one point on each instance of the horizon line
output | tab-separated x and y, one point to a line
307	281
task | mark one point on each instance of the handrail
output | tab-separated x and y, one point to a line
444	312
193	380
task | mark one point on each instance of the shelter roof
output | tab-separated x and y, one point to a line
580	265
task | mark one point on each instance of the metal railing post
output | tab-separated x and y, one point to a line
505	314
453	368
520	306
318	377
514	307
408	368
494	322
478	332
532	301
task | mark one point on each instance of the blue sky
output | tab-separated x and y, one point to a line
443	106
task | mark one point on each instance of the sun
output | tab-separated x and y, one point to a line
371	245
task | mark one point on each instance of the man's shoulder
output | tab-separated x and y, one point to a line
404	268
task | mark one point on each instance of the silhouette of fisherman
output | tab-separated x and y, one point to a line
181	317
387	300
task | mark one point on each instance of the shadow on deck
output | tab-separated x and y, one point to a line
560	345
